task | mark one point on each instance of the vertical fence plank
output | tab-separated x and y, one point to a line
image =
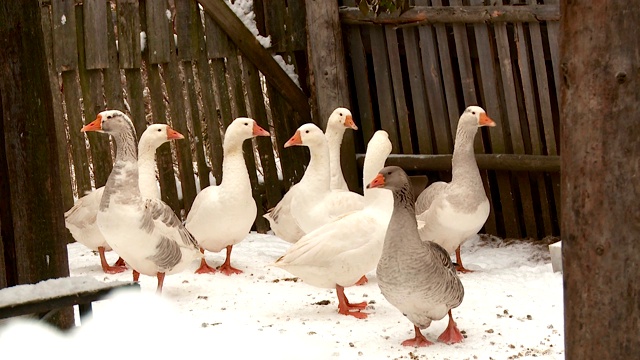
64	34
93	102
112	76
58	114
185	27
297	14
418	91
361	82
398	89
129	34
160	40
274	17
384	89
95	34
74	117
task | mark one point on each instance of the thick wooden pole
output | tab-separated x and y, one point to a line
329	73
33	232
600	179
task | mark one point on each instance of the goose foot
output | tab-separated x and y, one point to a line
226	267
451	334
458	265
345	307
108	269
418	341
363	280
205	268
120	262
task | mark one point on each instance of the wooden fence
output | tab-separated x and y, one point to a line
194	67
413	75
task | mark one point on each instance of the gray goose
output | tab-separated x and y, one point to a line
455	211
146	233
415	276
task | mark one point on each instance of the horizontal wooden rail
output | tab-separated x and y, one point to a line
419	15
510	162
258	55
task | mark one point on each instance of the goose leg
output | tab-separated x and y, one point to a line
204	267
115	269
226	267
344	307
136	276
160	277
363	280
451	334
459	266
418	341
120	262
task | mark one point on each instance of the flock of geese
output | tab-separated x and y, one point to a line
337	235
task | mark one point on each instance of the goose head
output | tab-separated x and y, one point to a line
243	128
390	177
156	135
110	122
341	119
474	117
307	135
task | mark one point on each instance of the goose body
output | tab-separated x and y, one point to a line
415	276
455	211
146	233
81	219
337	254
221	216
281	219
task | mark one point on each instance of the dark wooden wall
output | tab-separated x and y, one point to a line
413	75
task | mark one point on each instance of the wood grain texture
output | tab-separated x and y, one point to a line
128	34
65	41
95	34
600	92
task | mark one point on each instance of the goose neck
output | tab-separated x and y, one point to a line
318	170
234	168
463	161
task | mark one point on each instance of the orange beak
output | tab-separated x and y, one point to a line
486	120
95	125
172	134
377	182
258	131
295	140
348	122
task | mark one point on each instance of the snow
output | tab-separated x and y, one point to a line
244	10
512	309
63	20
288	68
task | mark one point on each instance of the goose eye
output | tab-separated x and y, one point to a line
340	114
306	132
159	130
473	112
109	116
246	124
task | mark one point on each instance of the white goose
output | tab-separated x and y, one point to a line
337	254
280	219
221	216
338	122
314	203
81	218
146	233
453	212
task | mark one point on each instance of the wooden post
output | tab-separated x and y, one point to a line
330	74
31	216
600	179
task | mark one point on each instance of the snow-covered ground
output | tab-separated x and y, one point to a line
512	310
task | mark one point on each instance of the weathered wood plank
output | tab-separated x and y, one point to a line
384	89
160	42
65	41
93	102
217	40
135	99
395	67
553	31
95	33
58	115
185	27
129	34
74	118
418	92
274	19
265	148
600	93
433	84
296	28
112	77
258	55
502	162
422	15
359	68
178	113
198	138
163	154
